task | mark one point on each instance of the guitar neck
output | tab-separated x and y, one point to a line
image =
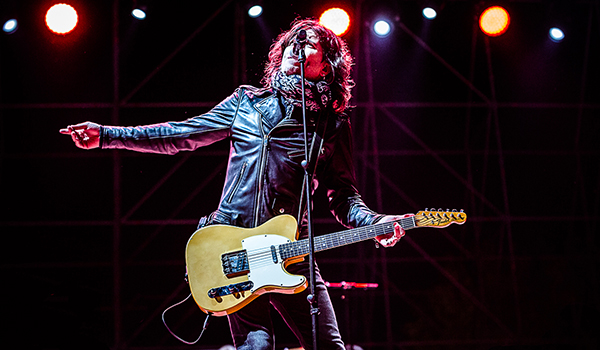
342	238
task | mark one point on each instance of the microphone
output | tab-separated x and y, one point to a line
299	43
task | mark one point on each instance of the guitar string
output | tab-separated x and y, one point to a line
352	235
407	223
263	256
259	258
359	232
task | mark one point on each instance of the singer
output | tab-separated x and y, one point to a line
265	176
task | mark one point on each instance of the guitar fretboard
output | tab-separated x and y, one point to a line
338	239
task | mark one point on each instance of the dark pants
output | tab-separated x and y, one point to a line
252	327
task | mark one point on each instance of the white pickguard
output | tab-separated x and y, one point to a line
263	270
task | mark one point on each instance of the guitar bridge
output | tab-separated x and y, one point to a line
230	289
235	263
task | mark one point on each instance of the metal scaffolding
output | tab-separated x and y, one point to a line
493	308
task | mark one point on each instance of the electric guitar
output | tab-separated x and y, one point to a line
229	266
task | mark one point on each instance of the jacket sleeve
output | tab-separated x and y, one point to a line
172	137
337	175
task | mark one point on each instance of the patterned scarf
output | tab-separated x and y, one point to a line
318	95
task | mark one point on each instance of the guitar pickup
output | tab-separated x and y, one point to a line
274	254
235	263
230	289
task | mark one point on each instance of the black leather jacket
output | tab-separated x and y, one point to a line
264	175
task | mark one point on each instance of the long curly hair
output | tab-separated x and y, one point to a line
335	52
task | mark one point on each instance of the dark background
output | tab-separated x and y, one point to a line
505	128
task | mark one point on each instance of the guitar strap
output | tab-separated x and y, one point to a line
315	148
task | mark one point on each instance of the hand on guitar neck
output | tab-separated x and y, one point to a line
390	239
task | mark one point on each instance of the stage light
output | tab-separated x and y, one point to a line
429	13
255	11
556	34
139	9
138	13
10	26
382	28
494	21
61	18
335	19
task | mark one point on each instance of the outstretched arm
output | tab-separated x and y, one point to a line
85	135
163	138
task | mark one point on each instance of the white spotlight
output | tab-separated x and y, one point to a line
138	13
556	34
429	13
10	26
255	11
61	18
382	28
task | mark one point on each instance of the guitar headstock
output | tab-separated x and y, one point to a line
439	218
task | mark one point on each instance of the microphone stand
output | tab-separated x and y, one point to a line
312	298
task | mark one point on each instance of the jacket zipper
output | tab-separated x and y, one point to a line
237	182
263	160
262	167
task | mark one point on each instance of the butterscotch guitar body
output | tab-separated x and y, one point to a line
228	266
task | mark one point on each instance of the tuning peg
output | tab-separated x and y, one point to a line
440	209
462	210
426	209
454	210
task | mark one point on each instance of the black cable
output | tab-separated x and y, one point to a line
173	334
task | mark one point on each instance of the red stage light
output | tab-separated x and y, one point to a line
61	18
335	19
494	21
